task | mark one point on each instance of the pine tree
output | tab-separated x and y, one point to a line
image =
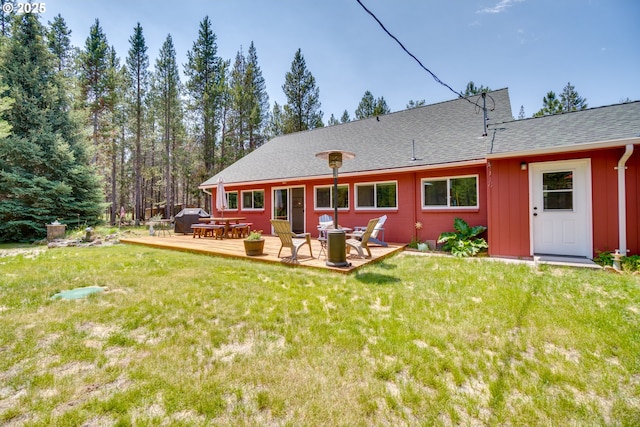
550	105
302	111
472	89
114	131
521	113
240	105
44	165
138	68
415	104
570	100
345	117
5	105
369	107
94	63
167	81
204	84
259	101
60	42
6	18
333	121
276	124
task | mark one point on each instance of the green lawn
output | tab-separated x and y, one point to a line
183	339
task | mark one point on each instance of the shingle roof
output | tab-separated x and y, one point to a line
568	130
444	133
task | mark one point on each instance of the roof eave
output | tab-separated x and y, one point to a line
567	148
404	169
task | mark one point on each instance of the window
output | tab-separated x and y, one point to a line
557	191
456	192
380	195
232	200
253	199
324	197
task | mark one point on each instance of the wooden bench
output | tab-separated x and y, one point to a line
208	230
240	230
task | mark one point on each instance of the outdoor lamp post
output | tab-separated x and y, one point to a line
336	238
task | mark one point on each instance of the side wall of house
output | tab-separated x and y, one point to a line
508	208
508	198
400	224
633	202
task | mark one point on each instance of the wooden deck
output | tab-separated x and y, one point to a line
234	248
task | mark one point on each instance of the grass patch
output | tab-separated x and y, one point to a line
185	339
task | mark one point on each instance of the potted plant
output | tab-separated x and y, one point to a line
254	243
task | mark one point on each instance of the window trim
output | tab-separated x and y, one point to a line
252	208
375	185
226	193
448	205
330	208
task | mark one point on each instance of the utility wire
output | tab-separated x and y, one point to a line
411	54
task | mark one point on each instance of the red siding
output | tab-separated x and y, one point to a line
400	225
508	194
503	203
633	202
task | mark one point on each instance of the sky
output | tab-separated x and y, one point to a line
529	46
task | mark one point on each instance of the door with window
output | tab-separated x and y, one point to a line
288	204
561	208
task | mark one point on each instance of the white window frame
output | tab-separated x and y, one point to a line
375	191
252	198
448	179
226	193
330	208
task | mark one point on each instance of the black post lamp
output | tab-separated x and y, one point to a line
336	238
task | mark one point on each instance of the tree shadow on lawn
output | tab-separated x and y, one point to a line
376	278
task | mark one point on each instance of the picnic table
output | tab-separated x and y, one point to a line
227	221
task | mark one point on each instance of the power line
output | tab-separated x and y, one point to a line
411	54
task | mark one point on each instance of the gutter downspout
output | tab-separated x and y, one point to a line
622	202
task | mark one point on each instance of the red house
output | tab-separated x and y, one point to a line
567	184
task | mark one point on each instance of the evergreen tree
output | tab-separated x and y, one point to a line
94	63
259	102
570	100
138	68
332	121
6	18
302	111
5	104
167	81
550	105
368	107
521	113
44	165
416	104
276	124
345	117
205	87
241	104
60	42
472	89
114	130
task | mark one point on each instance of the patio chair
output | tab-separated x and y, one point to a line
290	239
362	241
324	223
377	236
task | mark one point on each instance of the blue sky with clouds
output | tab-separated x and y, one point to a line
529	46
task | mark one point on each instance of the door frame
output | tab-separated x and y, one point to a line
558	165
290	207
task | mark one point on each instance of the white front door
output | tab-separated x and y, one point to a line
561	208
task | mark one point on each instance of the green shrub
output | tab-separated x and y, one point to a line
464	241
